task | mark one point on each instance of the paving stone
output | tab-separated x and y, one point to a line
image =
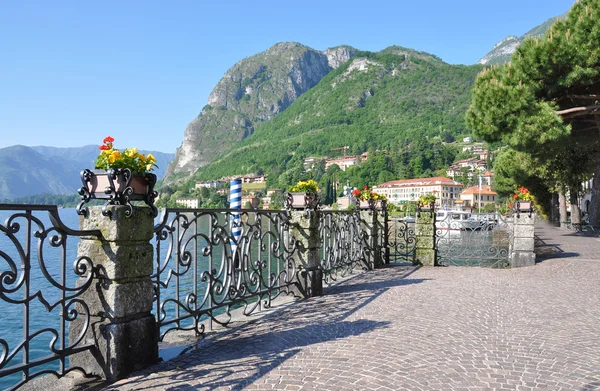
417	328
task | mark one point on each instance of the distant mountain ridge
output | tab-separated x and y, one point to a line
253	91
503	50
26	171
380	101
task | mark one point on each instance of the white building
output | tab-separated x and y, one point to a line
404	190
192	203
208	184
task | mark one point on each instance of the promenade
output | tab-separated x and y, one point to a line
411	328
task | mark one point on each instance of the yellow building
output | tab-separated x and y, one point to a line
474	197
404	190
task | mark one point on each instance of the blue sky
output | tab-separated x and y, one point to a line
73	72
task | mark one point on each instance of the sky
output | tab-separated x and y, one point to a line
73	72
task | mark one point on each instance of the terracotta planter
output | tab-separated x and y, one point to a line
296	200
118	187
524	205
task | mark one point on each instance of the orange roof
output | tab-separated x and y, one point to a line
485	189
436	181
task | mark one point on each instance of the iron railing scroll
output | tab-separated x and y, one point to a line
199	280
464	239
343	244
41	284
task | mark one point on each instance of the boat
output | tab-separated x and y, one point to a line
455	220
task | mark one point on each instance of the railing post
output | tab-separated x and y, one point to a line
523	241
425	247
386	233
122	328
304	229
368	218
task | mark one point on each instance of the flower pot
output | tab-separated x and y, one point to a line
118	187
524	205
296	200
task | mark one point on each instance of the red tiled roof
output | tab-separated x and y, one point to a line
485	189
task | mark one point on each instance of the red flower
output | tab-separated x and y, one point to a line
104	147
365	187
515	196
510	205
108	139
356	192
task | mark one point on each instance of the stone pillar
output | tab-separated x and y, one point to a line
523	241
426	252
304	229
120	300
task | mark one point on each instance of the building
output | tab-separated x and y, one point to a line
192	203
342	162
478	150
472	166
247	178
404	190
487	177
310	162
474	197
209	184
250	200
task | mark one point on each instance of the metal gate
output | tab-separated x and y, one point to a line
465	239
401	240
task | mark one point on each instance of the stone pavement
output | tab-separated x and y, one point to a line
410	328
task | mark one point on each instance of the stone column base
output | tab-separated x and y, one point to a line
522	258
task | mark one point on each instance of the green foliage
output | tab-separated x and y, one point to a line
527	103
401	104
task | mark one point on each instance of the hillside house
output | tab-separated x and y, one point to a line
192	203
473	165
475	197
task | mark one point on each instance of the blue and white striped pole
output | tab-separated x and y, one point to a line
235	202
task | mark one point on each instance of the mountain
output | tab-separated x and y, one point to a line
253	91
26	171
382	100
503	50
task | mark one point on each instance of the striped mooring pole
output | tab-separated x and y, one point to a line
235	202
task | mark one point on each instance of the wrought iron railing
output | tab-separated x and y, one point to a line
41	283
343	244
463	239
401	240
202	274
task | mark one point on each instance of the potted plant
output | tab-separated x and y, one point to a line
427	201
304	194
119	178
368	199
523	201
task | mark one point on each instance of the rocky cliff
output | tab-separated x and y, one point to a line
251	92
503	50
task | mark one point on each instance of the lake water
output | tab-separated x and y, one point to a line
12	320
11	326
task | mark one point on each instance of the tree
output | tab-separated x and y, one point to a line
545	101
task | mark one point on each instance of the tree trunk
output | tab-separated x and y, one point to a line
555	211
562	206
575	210
595	202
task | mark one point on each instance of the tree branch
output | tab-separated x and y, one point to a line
579	111
589	96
